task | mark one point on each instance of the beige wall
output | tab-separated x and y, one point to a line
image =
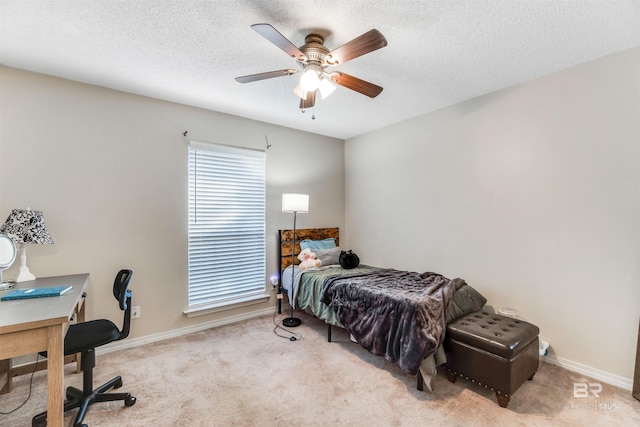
531	194
108	169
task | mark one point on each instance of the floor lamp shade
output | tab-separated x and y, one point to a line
25	226
294	203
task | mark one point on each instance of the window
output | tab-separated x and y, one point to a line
226	226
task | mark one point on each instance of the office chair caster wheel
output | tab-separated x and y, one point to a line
130	401
118	383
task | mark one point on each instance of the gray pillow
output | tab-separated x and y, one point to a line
328	256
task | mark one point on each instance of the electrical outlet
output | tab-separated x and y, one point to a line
135	312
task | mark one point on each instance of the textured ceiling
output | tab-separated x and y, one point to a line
439	53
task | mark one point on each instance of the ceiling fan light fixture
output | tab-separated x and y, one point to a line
299	91
310	78
326	88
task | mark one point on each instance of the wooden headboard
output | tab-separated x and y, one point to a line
285	238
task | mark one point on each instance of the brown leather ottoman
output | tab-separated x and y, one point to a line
497	352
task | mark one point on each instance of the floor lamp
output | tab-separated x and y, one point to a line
296	203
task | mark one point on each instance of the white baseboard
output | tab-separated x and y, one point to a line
605	377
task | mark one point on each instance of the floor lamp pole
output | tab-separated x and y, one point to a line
291	321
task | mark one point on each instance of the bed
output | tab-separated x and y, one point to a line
400	315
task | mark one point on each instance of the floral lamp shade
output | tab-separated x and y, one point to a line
26	226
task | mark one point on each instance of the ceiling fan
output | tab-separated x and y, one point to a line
314	60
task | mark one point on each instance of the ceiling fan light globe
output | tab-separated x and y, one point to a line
326	88
299	91
310	78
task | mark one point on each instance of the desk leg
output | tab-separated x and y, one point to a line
6	375
636	376
79	319
55	376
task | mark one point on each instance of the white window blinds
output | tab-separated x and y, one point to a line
226	224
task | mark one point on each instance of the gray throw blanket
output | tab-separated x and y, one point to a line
396	314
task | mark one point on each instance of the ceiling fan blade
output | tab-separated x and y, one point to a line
268	32
267	75
309	101
367	42
356	84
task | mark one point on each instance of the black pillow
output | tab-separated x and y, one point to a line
348	259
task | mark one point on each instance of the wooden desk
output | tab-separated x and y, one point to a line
32	325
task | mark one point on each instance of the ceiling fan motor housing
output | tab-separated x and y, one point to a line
314	49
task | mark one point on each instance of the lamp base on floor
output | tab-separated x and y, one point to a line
291	322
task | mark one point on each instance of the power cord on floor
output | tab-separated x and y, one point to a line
294	335
35	365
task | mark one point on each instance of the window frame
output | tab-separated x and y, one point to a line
244	221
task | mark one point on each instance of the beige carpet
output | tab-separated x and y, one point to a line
244	375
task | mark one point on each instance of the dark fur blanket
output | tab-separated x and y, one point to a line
397	314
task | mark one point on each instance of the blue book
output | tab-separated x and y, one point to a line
54	291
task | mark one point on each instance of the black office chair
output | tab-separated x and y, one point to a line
84	338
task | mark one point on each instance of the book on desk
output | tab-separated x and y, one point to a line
52	291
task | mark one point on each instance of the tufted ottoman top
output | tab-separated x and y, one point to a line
494	333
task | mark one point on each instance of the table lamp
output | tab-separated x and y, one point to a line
25	226
296	203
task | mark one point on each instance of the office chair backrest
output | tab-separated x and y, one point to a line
123	295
